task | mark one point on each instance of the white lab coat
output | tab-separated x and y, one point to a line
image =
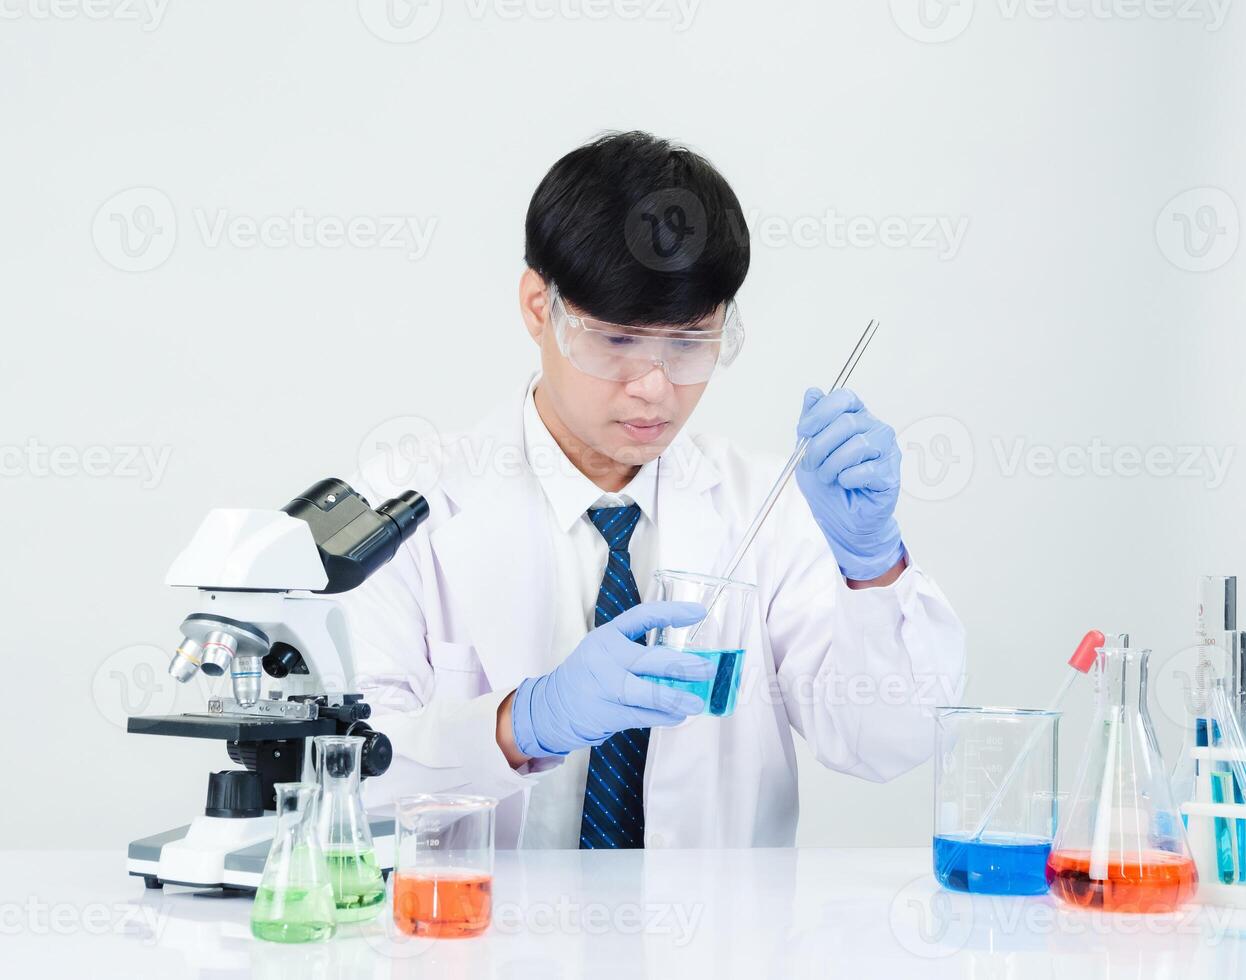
463	613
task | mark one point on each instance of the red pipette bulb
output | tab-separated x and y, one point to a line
1084	656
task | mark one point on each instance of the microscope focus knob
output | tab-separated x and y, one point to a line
377	754
234	793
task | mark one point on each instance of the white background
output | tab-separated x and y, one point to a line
1073	311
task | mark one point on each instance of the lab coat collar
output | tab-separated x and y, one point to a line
495	551
570	493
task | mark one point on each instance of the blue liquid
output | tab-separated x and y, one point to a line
993	865
719	693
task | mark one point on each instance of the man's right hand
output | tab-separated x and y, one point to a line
598	691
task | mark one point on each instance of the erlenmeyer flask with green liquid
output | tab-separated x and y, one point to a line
294	903
358	886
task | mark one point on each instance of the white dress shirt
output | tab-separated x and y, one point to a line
580	555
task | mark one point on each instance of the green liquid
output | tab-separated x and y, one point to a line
293	915
358	887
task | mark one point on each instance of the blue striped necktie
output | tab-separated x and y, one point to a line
614	813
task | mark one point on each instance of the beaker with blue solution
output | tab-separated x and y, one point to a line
996	801
721	637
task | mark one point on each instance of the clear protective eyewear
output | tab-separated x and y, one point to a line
616	352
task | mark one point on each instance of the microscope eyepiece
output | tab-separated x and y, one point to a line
353	539
406	510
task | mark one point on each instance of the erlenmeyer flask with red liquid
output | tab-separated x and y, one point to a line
1121	845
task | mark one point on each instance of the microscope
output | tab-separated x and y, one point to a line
261	584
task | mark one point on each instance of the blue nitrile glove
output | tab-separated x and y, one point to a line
595	692
851	478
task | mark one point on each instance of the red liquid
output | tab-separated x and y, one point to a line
1160	882
445	906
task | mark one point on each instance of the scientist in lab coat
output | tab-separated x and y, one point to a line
501	648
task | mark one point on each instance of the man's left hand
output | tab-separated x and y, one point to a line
851	478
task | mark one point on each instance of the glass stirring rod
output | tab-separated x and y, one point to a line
1080	663
789	468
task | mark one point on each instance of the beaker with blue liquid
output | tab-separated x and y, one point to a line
721	637
995	799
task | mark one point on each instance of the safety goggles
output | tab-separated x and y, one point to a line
616	352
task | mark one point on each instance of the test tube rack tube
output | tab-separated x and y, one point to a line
1203	817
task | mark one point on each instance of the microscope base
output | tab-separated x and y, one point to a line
226	853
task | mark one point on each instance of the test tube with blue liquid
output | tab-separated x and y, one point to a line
720	638
999	764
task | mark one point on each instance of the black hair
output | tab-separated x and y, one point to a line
634	229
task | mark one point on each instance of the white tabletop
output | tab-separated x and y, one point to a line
655	914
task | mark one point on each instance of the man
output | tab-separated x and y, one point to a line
502	649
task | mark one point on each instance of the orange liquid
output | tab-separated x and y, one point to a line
445	906
1159	882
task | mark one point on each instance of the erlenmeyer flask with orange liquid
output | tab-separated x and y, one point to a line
1121	844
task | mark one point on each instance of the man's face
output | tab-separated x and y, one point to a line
630	422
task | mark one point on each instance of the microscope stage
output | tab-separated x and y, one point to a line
231	728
